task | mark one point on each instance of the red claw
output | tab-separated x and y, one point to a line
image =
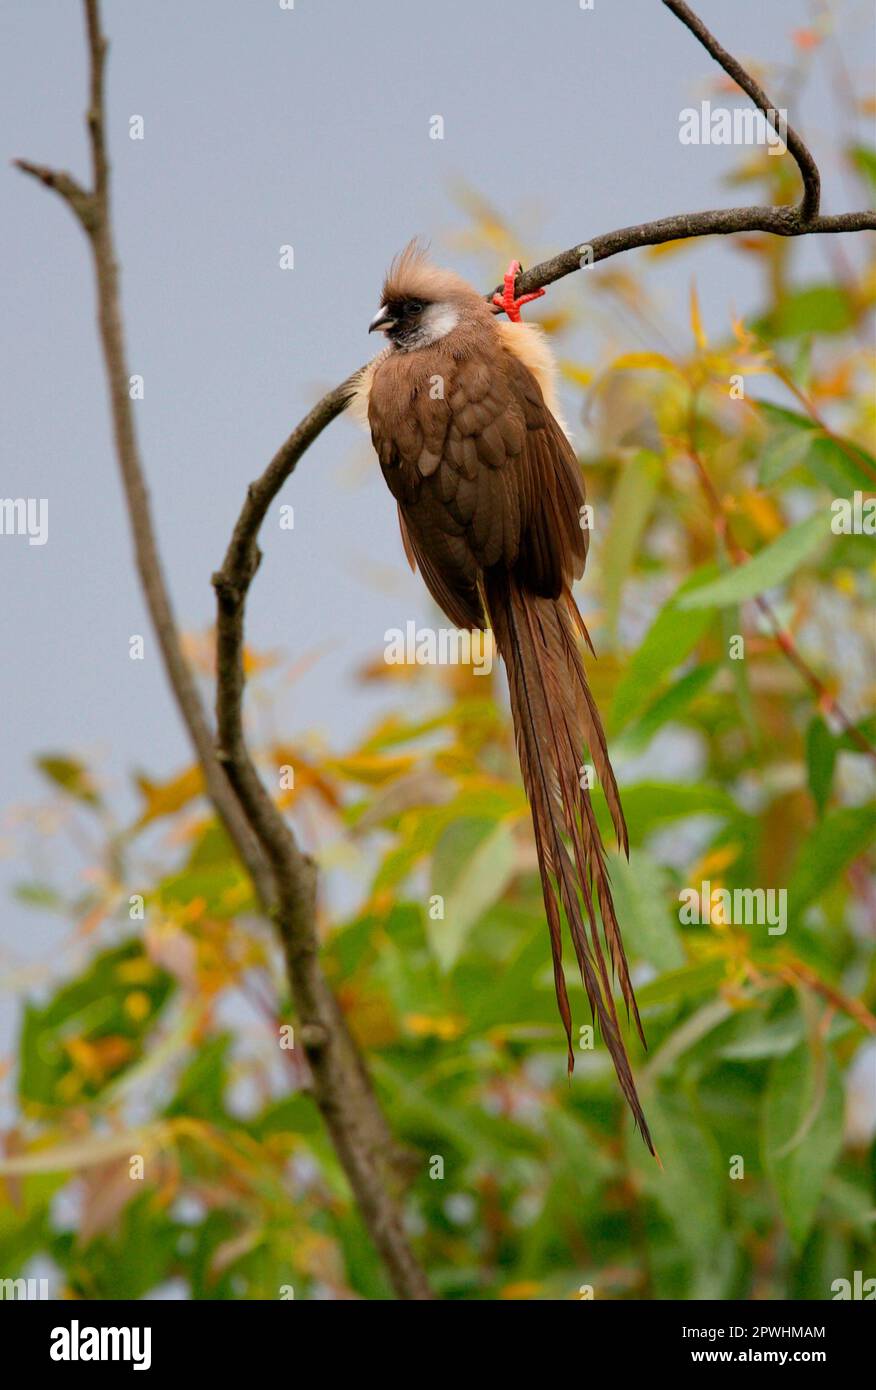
506	299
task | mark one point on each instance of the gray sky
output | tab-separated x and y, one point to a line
309	127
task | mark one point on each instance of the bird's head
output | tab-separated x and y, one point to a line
421	304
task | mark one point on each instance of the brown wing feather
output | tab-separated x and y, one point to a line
482	476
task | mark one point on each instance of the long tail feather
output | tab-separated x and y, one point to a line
554	717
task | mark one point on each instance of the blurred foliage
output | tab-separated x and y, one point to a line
160	1034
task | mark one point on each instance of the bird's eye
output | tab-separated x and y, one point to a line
413	306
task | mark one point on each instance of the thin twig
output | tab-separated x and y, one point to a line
805	162
91	208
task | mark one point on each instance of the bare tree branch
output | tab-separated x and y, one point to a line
91	208
341	1085
790	220
806	164
283	877
781	221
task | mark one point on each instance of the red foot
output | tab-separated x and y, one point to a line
507	301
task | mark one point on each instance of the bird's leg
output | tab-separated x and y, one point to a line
506	299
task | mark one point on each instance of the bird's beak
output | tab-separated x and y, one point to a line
382	320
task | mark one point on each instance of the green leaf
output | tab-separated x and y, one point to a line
641	897
293	1115
770	567
212	871
841	465
670	704
669	641
867	728
837	839
421	829
840	471
70	775
517	993
838	463
802	1129
132	1258
821	751
650	804
786	449
632	500
780	415
678	986
472	864
853	1203
38	895
92	1029
753	1039
24	1222
200	1090
814	309
690	1188
864	160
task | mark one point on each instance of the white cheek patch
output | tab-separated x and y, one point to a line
437	321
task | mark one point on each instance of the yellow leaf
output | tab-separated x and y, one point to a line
372	768
844	581
835	385
556	321
666	248
193	910
381	902
714	862
621	283
446	1027
740	332
645	361
381	670
524	1288
82	1153
307	776
581	376
696	322
98	1059
137	971
763	512
369	1014
138	1005
254	661
165	798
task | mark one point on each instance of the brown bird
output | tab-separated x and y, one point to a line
464	420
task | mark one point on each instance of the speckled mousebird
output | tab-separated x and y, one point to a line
490	501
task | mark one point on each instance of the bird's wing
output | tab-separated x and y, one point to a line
483	476
553	542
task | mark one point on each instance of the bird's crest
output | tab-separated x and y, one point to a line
413	276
